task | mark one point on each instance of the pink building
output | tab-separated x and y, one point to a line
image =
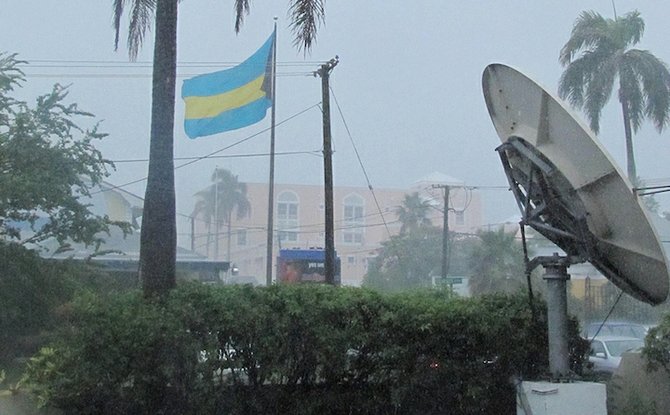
362	221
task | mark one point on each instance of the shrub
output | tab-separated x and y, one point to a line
303	349
656	349
35	294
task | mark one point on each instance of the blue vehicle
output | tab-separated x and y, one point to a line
304	265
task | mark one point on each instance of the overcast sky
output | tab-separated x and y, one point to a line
408	86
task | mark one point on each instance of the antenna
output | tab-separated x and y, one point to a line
570	191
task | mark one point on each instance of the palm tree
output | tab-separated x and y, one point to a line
158	244
413	213
605	56
203	210
217	203
496	263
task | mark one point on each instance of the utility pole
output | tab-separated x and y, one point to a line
445	231
329	264
193	233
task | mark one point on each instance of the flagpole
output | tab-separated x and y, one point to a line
216	212
271	181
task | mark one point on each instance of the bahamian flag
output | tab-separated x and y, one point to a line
230	99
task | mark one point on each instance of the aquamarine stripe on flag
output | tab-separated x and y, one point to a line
229	99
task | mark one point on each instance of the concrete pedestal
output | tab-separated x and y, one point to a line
547	398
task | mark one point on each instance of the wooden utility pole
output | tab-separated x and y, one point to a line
329	264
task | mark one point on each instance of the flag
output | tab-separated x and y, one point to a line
230	99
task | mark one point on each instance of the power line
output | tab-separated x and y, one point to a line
101	68
207	156
136	75
148	64
318	225
220	235
285	153
360	162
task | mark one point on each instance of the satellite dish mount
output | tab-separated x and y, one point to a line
555	221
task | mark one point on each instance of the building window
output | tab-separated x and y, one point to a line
241	237
460	217
351	260
287	216
354	221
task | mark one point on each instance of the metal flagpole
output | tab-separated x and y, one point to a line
216	212
271	181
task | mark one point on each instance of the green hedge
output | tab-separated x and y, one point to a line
301	349
35	294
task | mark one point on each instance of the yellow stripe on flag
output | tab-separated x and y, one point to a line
211	106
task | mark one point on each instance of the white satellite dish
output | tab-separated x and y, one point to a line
569	188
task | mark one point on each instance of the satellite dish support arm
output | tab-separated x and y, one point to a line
534	204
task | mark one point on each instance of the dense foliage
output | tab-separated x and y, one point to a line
657	346
35	294
290	349
406	261
492	260
49	166
497	263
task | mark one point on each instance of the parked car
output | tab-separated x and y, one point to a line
605	353
615	328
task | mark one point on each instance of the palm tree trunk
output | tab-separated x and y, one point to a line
158	244
630	156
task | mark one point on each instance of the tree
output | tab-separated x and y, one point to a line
48	167
158	243
603	46
413	213
217	203
497	263
406	261
409	261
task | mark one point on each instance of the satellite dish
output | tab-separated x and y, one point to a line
568	187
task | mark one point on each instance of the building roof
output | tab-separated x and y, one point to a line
121	251
439	178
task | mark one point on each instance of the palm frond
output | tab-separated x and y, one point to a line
573	82
241	10
587	83
628	30
306	17
630	93
589	30
652	79
599	90
141	18
117	7
142	13
224	196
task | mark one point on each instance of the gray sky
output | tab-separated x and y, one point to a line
408	85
